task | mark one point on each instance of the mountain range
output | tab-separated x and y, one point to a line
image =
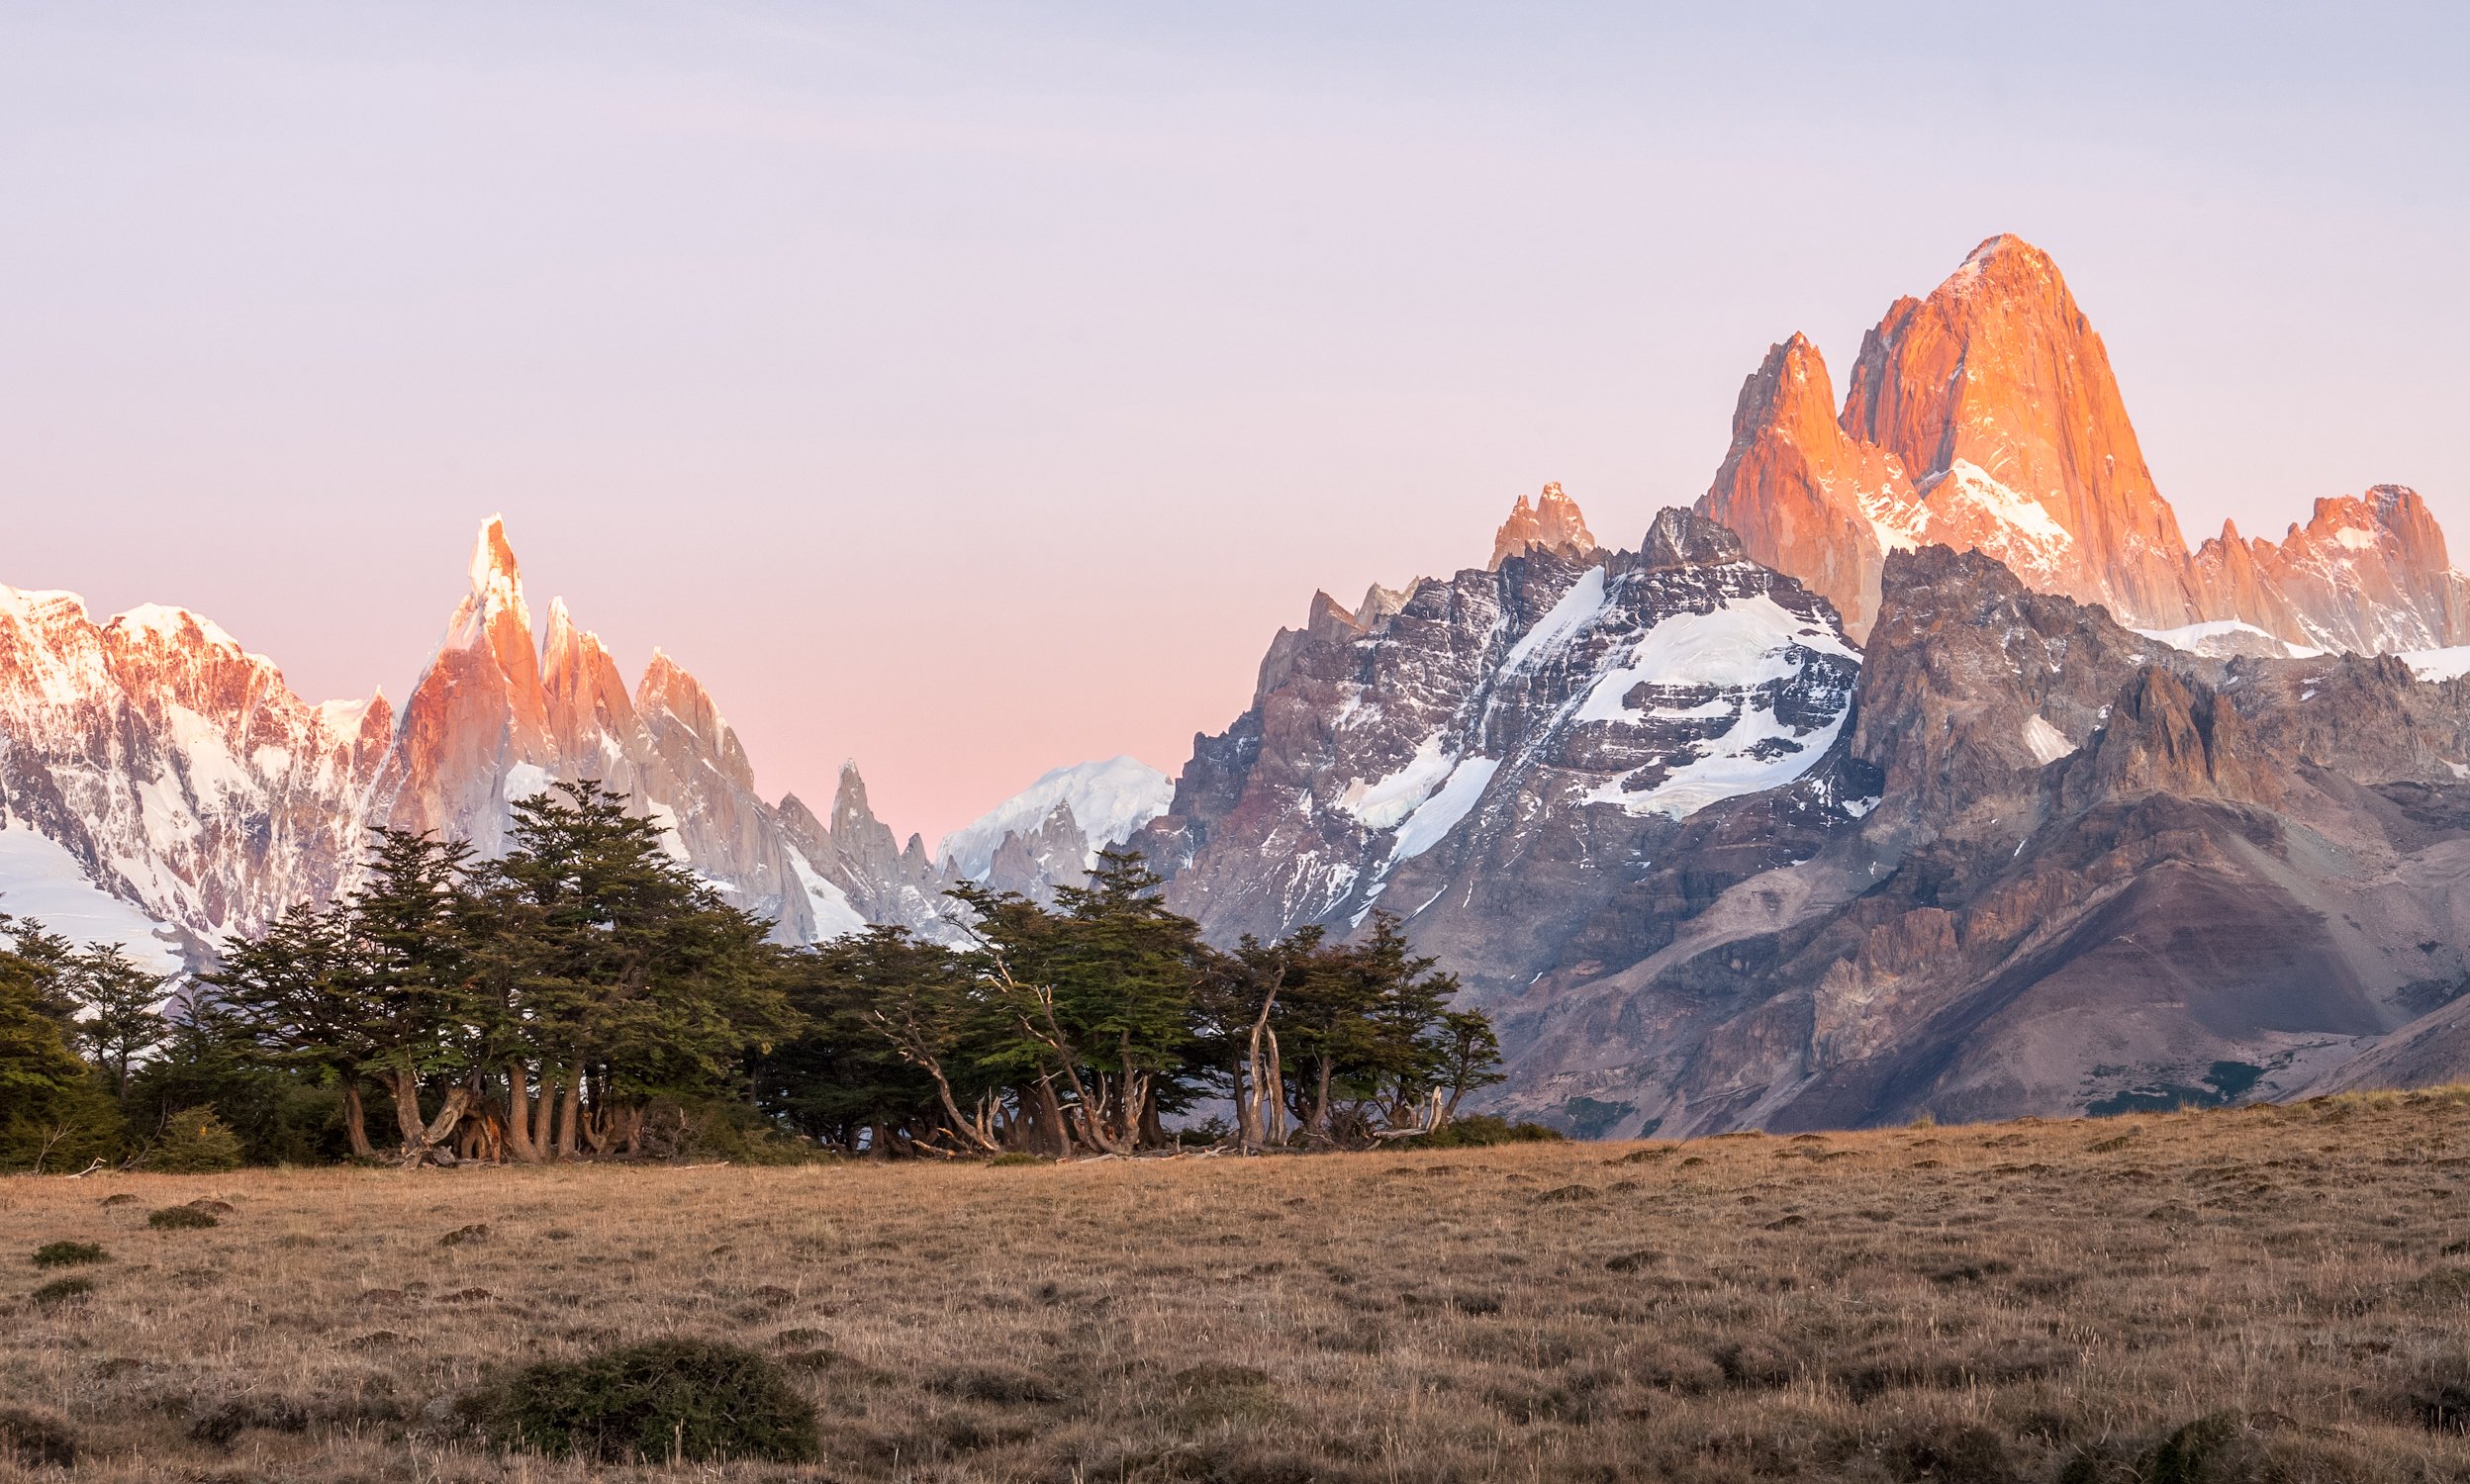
164	788
1918	767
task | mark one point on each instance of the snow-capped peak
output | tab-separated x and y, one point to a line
1111	800
162	622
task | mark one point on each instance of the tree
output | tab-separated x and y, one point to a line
295	994
409	931
120	1021
1377	1052
891	1052
625	974
52	1110
1100	995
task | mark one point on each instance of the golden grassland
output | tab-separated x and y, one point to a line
2023	1301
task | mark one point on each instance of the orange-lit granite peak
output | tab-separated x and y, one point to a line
1551	522
1997	397
1806	497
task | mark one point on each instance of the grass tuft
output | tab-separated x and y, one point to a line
668	1401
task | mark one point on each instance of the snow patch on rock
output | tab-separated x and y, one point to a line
2045	742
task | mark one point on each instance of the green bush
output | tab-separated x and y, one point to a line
68	1253
62	1291
1012	1158
740	1137
1483	1130
195	1142
36	1440
665	1401
180	1219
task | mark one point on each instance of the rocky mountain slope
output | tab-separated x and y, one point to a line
1986	418
171	771
1513	750
2102	873
1710	866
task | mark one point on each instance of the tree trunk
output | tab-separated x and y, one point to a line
356	1121
544	1112
1274	1093
570	1113
518	1115
1318	1123
406	1085
424	1143
1049	1113
1153	1130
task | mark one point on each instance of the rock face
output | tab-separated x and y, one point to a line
2102	873
1808	497
1507	759
174	769
500	715
1709	867
876	878
2368	574
161	788
1986	418
1551	525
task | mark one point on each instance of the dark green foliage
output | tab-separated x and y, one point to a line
36	1440
1015	1157
69	1255
181	1218
666	1401
121	1023
55	1114
61	1291
1480	1131
195	1142
590	974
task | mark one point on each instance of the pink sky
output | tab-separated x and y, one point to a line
974	388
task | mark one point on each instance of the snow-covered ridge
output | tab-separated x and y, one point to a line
2222	638
1111	800
2440	663
1746	651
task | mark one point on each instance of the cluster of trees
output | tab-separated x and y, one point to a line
1086	1025
588	995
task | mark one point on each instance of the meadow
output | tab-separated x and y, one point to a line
2256	1294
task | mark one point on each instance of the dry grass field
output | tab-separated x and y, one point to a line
2260	1294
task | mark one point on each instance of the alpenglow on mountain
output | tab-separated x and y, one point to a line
1920	768
1985	418
162	788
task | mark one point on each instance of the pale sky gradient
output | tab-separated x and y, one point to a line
972	388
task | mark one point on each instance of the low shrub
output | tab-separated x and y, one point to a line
195	1142
181	1218
1480	1131
62	1291
36	1440
69	1255
1014	1158
665	1401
